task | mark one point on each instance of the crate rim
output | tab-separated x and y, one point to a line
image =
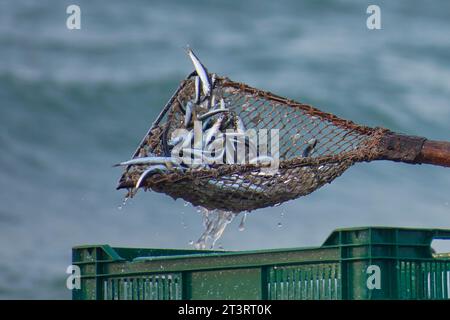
435	233
337	230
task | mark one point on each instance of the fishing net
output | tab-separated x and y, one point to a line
247	186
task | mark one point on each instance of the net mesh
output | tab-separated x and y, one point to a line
243	186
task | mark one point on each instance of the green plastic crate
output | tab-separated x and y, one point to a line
356	263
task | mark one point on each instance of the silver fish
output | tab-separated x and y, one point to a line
187	141
173	142
214	129
216	147
197	90
222	103
240	126
150	171
212	102
205	103
213	80
226	124
309	148
211	113
207	124
201	72
146	160
188	115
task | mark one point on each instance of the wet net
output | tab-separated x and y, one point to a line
245	186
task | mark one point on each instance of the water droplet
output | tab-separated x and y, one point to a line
191	242
183	222
279	225
186	203
199	245
124	202
242	224
214	222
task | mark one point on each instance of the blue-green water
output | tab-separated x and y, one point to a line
73	102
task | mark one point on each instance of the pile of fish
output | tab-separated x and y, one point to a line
222	132
182	151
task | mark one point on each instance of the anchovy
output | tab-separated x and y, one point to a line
146	160
309	148
240	127
213	80
188	115
175	141
241	131
188	139
201	72
212	102
216	145
214	129
150	171
205	103
197	90
207	124
226	124
211	113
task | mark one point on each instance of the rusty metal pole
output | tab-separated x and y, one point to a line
415	150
